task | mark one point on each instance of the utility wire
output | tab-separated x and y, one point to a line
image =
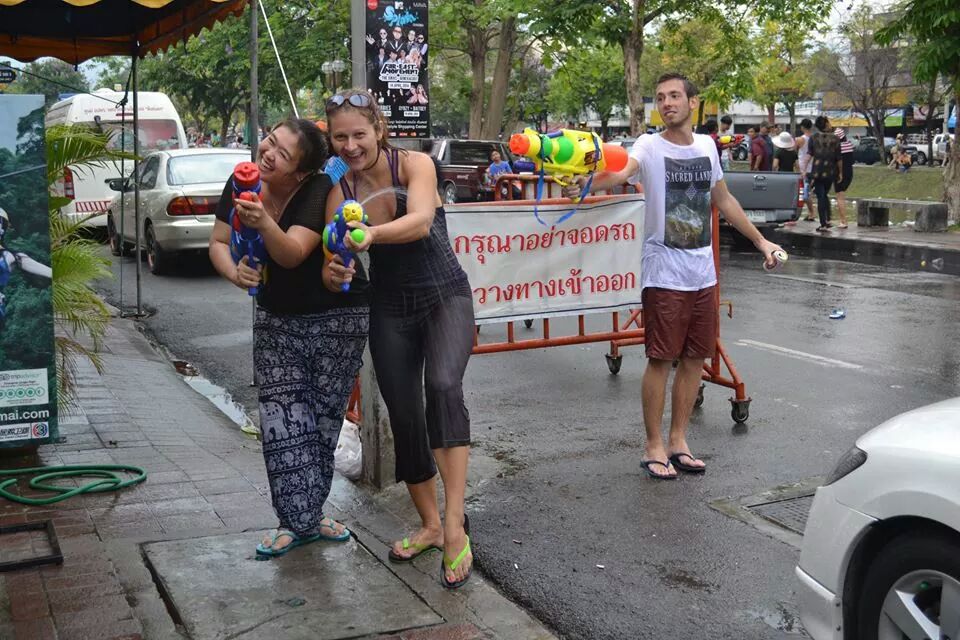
293	103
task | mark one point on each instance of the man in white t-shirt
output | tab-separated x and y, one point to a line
682	178
803	159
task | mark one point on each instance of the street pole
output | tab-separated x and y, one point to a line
358	52
254	130
136	179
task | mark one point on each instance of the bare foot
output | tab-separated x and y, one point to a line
423	539
657	462
682	449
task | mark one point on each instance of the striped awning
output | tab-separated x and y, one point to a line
77	30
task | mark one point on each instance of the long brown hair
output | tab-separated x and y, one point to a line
371	112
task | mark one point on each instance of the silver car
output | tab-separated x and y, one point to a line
179	192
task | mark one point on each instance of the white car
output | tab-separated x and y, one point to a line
881	551
179	193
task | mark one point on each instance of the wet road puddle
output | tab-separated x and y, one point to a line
218	396
782	620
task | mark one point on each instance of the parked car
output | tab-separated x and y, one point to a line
179	193
866	151
462	164
881	551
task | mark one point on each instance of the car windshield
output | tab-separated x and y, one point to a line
155	135
207	167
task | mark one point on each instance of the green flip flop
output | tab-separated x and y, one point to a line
447	564
416	546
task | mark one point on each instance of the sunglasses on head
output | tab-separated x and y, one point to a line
359	100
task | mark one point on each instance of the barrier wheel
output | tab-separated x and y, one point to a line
699	401
528	323
740	411
613	363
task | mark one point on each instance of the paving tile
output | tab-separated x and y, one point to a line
28	606
81	602
39	629
179	505
24	581
117	630
201	520
87	580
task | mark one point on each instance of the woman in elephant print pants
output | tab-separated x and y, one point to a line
309	335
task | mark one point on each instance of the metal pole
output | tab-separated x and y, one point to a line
136	180
255	130
358	54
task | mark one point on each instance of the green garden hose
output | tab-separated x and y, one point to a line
108	481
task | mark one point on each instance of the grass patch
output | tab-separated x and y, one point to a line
879	181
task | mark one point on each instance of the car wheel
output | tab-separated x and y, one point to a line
449	193
921	157
912	587
117	246
157	259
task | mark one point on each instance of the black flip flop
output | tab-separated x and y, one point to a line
686	468
645	465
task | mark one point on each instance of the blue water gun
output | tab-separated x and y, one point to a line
335	233
245	241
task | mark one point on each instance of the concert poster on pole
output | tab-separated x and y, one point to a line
397	50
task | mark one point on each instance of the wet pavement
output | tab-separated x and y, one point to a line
565	522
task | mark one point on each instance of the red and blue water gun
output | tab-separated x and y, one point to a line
335	233
245	241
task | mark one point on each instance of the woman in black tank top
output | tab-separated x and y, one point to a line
421	322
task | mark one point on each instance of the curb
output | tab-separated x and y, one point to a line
869	251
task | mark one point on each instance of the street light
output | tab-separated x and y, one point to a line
332	70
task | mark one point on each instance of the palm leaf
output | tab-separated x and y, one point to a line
80	148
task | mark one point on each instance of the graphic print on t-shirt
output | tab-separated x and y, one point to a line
687	202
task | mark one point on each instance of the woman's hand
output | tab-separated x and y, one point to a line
367	237
336	274
251	212
246	276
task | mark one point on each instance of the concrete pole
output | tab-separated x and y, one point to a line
379	462
358	46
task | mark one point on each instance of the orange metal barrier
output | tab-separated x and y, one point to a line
629	333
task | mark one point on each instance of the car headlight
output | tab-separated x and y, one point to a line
851	460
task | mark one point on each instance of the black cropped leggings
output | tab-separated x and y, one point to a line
420	347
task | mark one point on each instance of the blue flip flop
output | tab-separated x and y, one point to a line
342	537
295	541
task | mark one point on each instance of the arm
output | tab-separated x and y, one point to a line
288	249
33	267
240	275
422	201
733	213
604	180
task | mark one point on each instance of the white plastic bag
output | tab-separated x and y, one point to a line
348	458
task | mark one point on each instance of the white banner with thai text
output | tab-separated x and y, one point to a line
520	269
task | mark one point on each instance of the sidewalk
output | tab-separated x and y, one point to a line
897	246
173	557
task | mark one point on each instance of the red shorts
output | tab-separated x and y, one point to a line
680	324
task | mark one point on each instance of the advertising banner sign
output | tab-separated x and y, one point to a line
520	269
28	379
396	63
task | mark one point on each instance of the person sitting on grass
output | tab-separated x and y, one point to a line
903	161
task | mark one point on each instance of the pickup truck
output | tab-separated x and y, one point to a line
461	165
769	198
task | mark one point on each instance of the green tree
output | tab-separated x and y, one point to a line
933	30
588	79
863	71
49	77
115	71
783	74
624	23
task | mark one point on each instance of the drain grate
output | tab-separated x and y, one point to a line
790	514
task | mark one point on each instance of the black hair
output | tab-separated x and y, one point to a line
806	124
822	123
688	87
726	120
310	140
711	126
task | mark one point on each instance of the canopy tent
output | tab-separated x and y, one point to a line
77	30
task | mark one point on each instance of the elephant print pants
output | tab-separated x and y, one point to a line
306	366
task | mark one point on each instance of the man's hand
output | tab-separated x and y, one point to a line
767	248
575	189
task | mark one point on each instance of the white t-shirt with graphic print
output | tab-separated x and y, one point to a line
677	230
